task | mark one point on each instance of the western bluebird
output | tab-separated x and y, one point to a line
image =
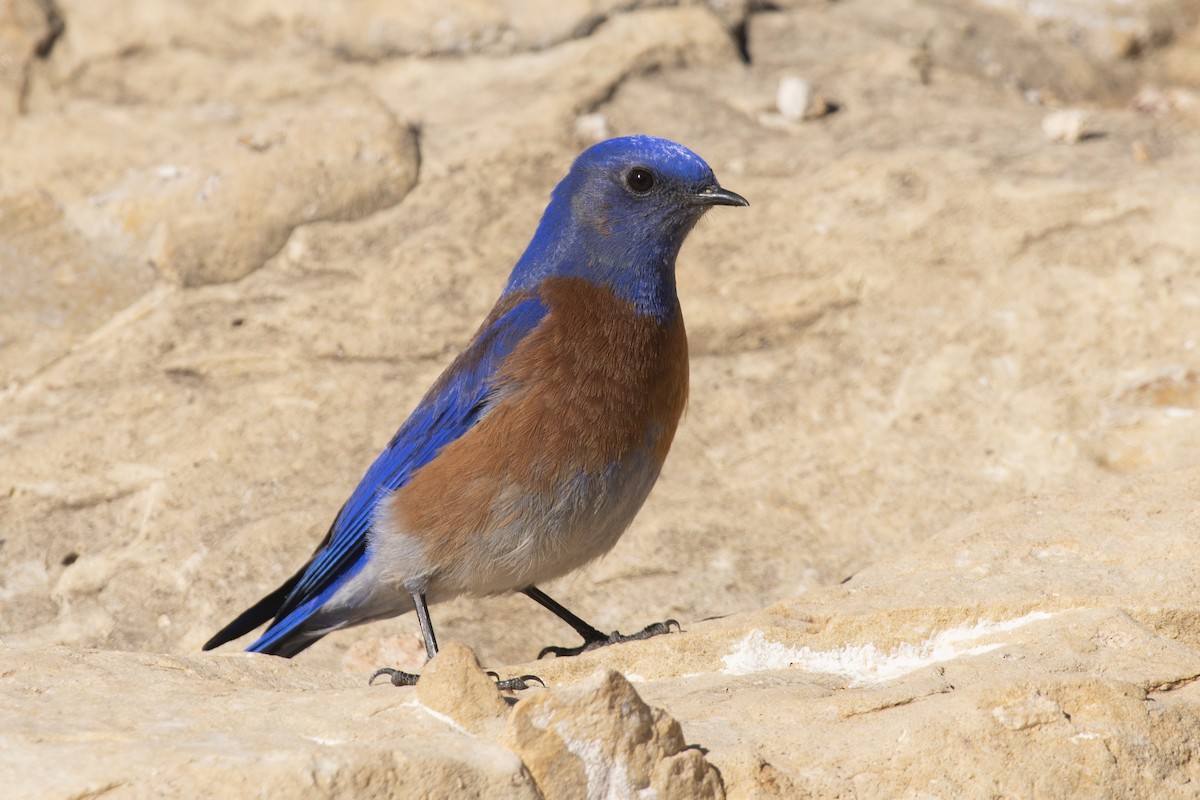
533	451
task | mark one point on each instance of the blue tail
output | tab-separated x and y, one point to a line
288	634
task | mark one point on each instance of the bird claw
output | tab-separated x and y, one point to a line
397	677
517	684
616	637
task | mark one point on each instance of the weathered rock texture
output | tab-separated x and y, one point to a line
937	480
598	738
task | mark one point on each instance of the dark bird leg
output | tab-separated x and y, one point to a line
592	638
400	678
431	647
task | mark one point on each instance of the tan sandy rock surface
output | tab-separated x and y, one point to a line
930	524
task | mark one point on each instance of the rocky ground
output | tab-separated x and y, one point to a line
929	524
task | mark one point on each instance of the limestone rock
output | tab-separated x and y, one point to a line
598	738
1110	29
57	281
1017	645
454	684
363	30
928	524
76	723
337	156
25	31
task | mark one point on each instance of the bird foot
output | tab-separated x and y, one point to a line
400	678
616	637
517	684
397	677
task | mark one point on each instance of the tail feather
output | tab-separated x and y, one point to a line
303	625
296	609
295	626
282	637
256	615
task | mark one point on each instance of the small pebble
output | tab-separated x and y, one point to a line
796	100
1151	101
793	97
1067	126
592	127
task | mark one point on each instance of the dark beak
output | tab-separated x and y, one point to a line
716	196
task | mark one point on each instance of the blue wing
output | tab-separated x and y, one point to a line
453	405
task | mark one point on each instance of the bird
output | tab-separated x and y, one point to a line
533	451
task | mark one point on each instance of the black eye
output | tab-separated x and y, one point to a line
640	180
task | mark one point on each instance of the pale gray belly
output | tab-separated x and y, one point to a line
548	535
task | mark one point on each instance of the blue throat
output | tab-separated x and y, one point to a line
635	257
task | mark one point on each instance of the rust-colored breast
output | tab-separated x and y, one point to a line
594	386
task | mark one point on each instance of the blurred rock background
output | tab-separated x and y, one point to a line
950	353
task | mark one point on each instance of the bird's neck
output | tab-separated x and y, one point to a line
637	267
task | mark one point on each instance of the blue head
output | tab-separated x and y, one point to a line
619	218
